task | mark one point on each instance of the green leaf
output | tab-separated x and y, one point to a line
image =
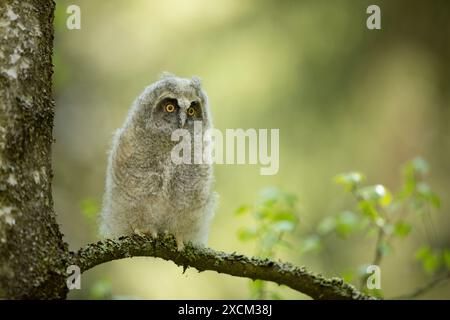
430	260
101	290
420	165
284	226
402	229
348	276
434	200
414	167
257	284
291	199
275	296
311	243
368	209
242	210
431	263
256	287
346	223
423	252
263	213
246	234
376	293
274	214
411	172
424	192
90	209
409	185
386	200
376	194
284	216
446	258
350	180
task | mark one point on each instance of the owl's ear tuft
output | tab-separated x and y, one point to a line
166	75
196	82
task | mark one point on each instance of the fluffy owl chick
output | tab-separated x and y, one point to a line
146	192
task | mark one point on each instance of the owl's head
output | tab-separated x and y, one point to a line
173	103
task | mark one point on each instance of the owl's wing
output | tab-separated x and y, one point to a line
132	172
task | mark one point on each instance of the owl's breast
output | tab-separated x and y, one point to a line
190	185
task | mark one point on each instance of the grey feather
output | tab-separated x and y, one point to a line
145	191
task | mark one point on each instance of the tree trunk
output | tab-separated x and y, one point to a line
32	253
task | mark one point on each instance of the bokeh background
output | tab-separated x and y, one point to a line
344	98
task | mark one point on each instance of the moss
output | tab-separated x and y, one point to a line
202	259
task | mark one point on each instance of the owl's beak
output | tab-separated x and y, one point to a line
182	119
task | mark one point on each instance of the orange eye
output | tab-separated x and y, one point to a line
170	108
190	111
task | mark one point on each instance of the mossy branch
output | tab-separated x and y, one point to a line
200	258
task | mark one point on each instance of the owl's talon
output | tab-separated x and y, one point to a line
165	233
139	232
180	244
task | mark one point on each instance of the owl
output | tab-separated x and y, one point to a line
146	191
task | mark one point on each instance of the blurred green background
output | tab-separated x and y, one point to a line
344	98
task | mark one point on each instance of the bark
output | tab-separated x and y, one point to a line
298	278
33	255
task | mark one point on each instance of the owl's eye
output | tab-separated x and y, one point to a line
190	111
170	108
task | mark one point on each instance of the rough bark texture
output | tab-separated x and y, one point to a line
298	278
33	255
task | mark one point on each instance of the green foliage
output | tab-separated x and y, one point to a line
446	258
378	211
433	260
90	210
384	209
402	229
387	212
310	243
343	224
350	180
348	275
101	290
275	217
415	188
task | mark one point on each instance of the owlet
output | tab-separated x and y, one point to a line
148	192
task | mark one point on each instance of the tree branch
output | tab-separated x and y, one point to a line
200	258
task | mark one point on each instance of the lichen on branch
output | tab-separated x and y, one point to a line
202	259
